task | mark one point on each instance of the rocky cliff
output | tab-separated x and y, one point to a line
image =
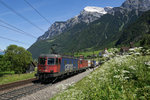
88	15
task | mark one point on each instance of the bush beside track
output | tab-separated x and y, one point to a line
122	78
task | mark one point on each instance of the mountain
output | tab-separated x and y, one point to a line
101	33
88	15
141	5
137	33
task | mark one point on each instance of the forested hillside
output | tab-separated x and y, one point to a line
102	33
138	32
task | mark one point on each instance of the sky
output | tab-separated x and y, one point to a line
53	10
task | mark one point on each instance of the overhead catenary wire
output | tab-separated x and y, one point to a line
17	31
17	28
13	40
18	14
37	11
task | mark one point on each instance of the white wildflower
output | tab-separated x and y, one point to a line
125	71
137	53
126	77
101	78
140	47
116	76
90	76
131	53
132	49
147	63
132	67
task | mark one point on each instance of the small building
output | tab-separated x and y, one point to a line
105	53
131	45
89	56
124	49
81	56
31	68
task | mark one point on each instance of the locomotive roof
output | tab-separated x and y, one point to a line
50	55
56	55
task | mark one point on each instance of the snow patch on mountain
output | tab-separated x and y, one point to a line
95	9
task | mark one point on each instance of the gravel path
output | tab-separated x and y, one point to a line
50	91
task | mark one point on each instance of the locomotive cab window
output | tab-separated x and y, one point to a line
51	61
42	61
56	60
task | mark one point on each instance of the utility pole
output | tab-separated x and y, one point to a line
53	49
93	60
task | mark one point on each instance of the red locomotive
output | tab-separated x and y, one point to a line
52	65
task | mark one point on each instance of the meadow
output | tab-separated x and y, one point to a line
121	78
9	77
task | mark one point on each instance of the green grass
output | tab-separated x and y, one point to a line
121	78
88	53
9	77
6	73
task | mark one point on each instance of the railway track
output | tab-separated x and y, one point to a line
16	84
29	89
18	93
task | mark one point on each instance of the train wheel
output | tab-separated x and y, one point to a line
40	77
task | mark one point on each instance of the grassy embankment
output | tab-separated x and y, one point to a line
9	77
121	78
87	53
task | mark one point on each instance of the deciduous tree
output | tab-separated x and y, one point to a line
19	58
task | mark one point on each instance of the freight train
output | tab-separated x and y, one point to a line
52	65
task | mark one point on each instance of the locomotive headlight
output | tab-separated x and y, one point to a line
45	68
